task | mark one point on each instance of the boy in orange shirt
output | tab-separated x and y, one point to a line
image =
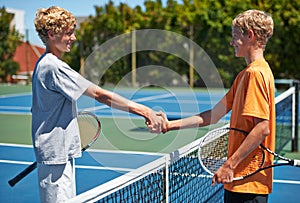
251	100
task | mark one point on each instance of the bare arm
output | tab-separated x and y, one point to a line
203	119
252	141
155	123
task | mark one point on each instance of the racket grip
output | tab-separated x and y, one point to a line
21	175
296	163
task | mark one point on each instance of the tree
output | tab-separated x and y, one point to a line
283	48
206	22
10	38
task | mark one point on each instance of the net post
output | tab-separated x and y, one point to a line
295	140
166	182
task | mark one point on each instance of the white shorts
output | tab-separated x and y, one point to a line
56	182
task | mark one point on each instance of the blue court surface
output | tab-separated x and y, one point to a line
174	103
93	169
99	166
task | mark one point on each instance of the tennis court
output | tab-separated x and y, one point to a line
124	146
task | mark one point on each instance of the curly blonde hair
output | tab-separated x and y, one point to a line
53	18
261	23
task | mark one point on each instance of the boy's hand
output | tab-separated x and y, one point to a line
157	122
223	175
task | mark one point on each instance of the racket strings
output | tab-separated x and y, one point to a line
89	128
213	152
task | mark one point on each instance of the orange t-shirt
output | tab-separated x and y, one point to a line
252	95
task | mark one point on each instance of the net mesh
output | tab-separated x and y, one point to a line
285	118
148	189
188	182
178	176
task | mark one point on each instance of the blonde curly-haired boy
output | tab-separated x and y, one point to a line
55	90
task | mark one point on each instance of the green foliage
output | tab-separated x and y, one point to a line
206	22
284	45
9	40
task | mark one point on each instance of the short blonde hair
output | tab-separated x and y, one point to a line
261	23
53	18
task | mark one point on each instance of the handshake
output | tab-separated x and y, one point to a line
157	122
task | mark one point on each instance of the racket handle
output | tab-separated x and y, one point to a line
296	163
21	175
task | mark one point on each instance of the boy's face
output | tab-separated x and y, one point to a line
239	42
63	41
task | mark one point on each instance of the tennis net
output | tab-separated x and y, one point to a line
178	176
287	107
175	177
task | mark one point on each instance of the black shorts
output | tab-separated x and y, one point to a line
235	197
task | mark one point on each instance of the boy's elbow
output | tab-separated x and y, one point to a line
265	128
266	131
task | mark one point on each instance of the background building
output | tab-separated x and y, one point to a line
26	54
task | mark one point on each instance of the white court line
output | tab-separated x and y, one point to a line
15	162
84	166
15	110
184	101
154	97
16	107
15	145
295	182
136	100
292	182
93	150
94	108
104	168
76	166
15	95
102	107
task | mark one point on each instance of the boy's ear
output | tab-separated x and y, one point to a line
50	33
251	34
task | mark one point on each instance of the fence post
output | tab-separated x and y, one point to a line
295	140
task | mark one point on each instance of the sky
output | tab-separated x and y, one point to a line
77	7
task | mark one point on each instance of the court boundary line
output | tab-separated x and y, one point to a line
293	182
80	166
93	150
76	166
16	107
100	107
281	181
15	95
14	113
16	110
16	145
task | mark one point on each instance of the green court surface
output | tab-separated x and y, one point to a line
14	89
117	134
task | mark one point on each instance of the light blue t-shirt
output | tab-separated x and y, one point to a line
55	89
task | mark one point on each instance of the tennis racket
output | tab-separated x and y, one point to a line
89	127
212	155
